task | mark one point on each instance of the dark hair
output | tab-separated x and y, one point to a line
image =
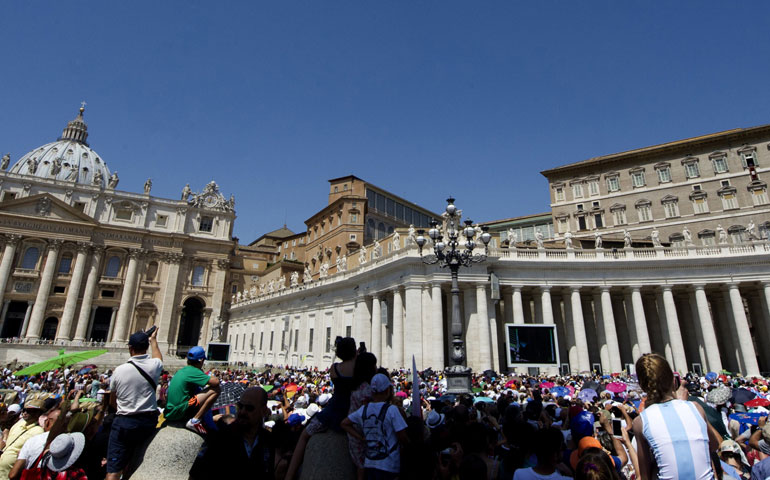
472	467
595	464
547	442
345	348
606	440
364	369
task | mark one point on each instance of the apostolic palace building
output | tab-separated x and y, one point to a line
663	248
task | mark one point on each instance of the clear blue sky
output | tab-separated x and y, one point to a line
272	99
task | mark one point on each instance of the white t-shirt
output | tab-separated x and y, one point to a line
529	474
32	449
393	423
134	393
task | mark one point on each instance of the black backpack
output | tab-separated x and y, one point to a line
375	434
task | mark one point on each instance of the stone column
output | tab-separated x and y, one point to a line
90	321
6	264
601	336
412	335
361	326
693	323
744	334
707	329
376	347
2	315
25	323
625	330
569	330
610	334
44	289
760	310
581	342
398	329
85	319
723	319
437	320
126	309
168	300
640	322
674	332
517	306
70	305
485	345
111	331
546	306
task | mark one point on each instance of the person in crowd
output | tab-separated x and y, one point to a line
337	409
35	446
673	437
191	392
243	448
595	464
549	447
24	429
365	368
133	397
380	425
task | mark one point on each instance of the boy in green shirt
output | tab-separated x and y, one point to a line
191	392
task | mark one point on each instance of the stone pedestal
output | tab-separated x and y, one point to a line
169	455
327	458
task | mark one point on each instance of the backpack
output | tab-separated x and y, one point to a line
375	434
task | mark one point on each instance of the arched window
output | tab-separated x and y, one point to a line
65	264
152	271
197	276
30	258
113	267
380	231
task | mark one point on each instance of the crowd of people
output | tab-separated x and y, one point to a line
85	423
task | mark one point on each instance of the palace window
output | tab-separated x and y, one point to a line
161	220
664	172
65	264
353	218
328	339
577	190
736	233
671	208
619	214
206	224
676	240
707	238
729	196
699	200
758	191
562	224
748	157
719	162
613	183
296	336
272	336
261	339
113	267
593	187
124	213
197	275
691	169
310	340
29	261
559	194
644	210
637	178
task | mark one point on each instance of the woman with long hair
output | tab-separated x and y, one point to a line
673	437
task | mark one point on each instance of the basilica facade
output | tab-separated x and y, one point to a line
85	263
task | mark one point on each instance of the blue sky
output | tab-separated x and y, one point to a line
425	99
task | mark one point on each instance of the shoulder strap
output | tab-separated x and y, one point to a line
363	417
145	375
383	412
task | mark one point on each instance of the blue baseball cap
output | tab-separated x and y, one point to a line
582	425
196	353
295	419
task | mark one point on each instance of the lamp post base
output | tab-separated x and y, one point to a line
458	380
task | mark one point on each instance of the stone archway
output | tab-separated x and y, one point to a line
190	324
49	328
14	319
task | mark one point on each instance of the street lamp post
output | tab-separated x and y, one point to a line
454	253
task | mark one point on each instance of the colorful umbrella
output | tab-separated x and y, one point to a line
510	384
60	361
711	376
719	395
267	388
616	387
588	395
741	395
547	385
559	391
483	400
757	402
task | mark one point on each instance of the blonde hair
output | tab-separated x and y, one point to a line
655	377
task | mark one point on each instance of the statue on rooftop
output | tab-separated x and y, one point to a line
186	192
597	240
148	186
626	239
655	236
5	161
722	233
113	182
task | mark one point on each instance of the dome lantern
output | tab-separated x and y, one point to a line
76	130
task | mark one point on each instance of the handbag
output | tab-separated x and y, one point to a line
38	471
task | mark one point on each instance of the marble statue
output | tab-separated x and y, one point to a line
751	230
32	165
567	240
113	182
281	283
377	249
262	289
626	239
687	236
253	291
323	272
478	231
148	186
539	238
294	279
98	178
396	240
72	174
217	329
722	234
186	192
597	240
233	298
5	161
362	255
343	263
239	296
513	237
655	236
271	286
307	277
55	167
411	239
231	202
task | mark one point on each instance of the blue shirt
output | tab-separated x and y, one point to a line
761	470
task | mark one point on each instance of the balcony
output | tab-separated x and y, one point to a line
26	273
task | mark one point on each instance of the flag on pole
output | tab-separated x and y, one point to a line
416	406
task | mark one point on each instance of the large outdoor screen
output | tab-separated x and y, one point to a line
531	345
219	352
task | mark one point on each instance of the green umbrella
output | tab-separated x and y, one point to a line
60	361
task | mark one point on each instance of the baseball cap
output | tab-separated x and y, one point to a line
380	383
295	419
139	341
582	425
584	444
196	353
15	408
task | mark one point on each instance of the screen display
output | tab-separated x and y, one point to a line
219	352
531	344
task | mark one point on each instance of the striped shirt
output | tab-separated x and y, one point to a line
679	440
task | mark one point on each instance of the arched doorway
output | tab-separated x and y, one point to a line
14	318
49	328
101	326
190	323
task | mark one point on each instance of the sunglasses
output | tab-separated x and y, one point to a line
245	406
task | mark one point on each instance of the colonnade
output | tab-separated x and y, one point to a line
713	325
